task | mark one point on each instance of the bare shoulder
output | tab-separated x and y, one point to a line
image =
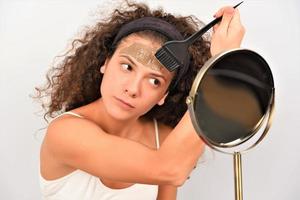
164	131
69	123
60	146
66	133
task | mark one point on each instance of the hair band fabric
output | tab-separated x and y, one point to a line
148	23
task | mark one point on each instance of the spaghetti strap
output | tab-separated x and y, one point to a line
156	133
70	113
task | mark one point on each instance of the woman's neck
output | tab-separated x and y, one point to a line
123	128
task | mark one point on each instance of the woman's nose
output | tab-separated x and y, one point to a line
132	88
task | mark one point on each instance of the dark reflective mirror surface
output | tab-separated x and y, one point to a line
232	97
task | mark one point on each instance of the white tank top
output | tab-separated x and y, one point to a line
80	185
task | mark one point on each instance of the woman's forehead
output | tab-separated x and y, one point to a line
143	51
142	54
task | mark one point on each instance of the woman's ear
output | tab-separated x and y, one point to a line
103	67
162	100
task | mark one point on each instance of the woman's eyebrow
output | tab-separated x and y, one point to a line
135	64
128	58
159	75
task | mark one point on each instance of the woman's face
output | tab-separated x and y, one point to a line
134	81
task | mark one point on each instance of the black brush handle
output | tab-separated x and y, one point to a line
195	36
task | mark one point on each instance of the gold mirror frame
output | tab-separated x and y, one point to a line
266	119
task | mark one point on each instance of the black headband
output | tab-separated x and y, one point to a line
149	23
158	25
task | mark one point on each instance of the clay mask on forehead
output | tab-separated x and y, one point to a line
143	54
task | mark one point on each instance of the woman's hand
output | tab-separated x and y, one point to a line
227	34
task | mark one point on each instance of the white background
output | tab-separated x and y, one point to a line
33	32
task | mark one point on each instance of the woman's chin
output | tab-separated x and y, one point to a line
119	113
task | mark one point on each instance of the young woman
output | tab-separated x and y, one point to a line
125	132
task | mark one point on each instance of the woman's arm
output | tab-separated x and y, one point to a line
81	144
167	192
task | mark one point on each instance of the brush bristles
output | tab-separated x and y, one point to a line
166	59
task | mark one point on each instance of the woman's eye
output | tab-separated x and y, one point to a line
126	67
154	81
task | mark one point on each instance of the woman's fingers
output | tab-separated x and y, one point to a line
226	13
215	27
236	17
230	23
236	23
229	32
226	20
221	11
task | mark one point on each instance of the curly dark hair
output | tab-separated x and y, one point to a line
83	61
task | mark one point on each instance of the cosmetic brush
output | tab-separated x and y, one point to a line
173	53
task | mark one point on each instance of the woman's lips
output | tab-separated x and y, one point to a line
126	104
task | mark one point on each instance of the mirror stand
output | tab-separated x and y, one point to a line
238	184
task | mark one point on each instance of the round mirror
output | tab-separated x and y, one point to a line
231	97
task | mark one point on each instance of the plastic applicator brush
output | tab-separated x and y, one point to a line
173	53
